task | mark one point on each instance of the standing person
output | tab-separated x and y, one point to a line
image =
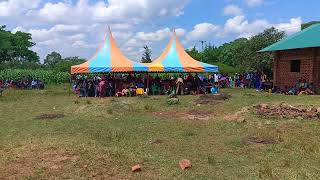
102	87
263	81
96	81
179	84
257	80
85	88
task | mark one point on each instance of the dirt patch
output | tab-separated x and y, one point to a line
212	98
258	140
31	163
192	115
50	116
237	116
157	141
284	110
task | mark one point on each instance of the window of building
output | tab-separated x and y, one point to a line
295	66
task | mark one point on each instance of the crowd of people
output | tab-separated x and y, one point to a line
162	84
302	87
22	83
138	84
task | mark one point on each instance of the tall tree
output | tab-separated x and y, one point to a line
15	47
52	59
146	57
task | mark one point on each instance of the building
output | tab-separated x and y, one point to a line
297	58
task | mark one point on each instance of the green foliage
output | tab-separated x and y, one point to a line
52	59
241	54
65	64
16	47
48	76
226	69
146	57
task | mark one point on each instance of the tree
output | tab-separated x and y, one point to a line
195	54
52	59
65	64
263	61
146	57
241	54
15	47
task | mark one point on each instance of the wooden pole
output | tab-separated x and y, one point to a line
70	81
147	90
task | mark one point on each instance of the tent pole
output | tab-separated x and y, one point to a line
147	90
70	82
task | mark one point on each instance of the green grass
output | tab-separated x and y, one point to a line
104	138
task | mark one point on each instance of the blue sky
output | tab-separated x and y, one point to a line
76	27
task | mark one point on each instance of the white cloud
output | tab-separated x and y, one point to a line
110	11
180	32
232	10
153	36
293	26
16	7
253	3
202	31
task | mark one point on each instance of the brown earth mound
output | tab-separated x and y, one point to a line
287	111
49	116
211	98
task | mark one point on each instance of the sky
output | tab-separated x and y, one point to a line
77	27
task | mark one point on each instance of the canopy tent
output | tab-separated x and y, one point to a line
107	59
175	59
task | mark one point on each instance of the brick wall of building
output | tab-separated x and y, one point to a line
283	77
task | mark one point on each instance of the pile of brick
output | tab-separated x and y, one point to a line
288	111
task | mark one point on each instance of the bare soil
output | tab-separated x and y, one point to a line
258	140
283	110
50	116
212	98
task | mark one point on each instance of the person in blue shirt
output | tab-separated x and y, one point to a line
214	89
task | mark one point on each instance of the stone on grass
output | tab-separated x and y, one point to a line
185	164
136	168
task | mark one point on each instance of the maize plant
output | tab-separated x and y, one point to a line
48	76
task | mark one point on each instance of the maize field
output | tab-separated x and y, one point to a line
48	76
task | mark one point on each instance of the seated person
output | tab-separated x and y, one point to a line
307	88
119	93
125	91
292	91
214	89
34	84
140	90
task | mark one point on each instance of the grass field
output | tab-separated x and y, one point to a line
104	138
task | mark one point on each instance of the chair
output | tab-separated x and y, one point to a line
140	91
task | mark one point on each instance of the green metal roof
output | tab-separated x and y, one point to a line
309	37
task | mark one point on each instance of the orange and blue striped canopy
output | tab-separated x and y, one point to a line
176	59
108	58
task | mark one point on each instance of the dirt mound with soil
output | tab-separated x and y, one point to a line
50	116
192	115
287	111
211	98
